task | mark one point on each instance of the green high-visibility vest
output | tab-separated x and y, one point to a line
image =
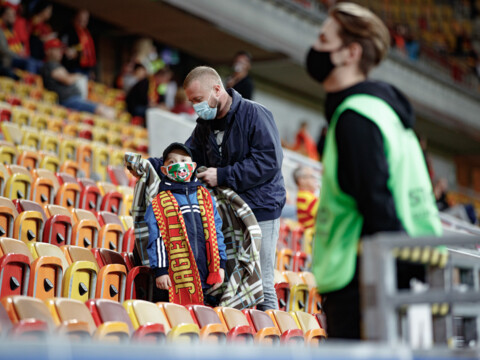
339	222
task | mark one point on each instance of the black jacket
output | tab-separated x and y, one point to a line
362	166
250	161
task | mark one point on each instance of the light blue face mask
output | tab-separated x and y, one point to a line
204	110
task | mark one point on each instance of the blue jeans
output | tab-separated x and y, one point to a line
79	104
270	232
28	64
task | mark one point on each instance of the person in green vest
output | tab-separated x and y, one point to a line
375	178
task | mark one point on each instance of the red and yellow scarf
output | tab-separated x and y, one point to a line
186	284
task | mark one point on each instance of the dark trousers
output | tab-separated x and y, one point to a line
342	307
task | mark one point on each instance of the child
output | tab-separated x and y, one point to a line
186	246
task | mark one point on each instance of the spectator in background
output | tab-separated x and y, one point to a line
20	26
39	28
56	78
145	93
307	200
80	55
240	80
440	190
304	143
14	53
365	190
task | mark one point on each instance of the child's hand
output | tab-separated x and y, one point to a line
163	282
222	275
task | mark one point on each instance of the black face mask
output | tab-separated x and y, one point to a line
319	65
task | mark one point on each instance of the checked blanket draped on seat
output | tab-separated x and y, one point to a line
243	280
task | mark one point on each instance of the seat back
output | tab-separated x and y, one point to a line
8	153
84	157
260	319
78	253
14	274
142	312
68	195
29	159
19	184
58	228
28	205
26	307
284	259
101	157
103	310
106	257
85	230
69	310
177	314
90	197
45	186
45	249
4	175
234	317
8	214
14	246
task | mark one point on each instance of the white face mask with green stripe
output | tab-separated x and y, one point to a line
182	171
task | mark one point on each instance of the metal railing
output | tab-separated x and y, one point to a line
382	302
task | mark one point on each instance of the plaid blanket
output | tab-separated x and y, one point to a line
243	278
145	191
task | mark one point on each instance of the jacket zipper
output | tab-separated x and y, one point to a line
195	250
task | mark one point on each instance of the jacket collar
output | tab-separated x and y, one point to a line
217	123
178	187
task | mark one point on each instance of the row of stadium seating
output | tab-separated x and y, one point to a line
139	320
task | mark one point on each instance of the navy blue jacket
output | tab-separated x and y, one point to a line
250	161
186	196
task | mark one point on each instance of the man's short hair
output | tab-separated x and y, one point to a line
205	74
360	25
244	53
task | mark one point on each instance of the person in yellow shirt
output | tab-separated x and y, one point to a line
307	199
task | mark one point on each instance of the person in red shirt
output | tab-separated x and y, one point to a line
307	196
80	55
39	28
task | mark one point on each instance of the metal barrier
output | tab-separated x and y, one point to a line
455	284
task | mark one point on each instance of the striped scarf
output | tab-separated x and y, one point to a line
186	283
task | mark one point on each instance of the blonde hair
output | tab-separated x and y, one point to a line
360	25
207	75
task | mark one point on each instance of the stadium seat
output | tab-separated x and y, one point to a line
46	272
300	261
117	175
111	232
19	184
21	116
85	229
68	150
90	197
15	270
4	175
313	333
99	162
12	132
104	311
28	316
298	299
284	259
112	199
49	161
58	227
28	158
44	186
148	320
71	168
26	227
262	323
237	324
314	299
71	311
282	289
211	327
50	142
80	281
31	137
8	153
181	322
40	121
291	332
84	157
68	194
127	203
140	279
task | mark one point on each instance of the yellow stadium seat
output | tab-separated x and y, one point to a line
19	184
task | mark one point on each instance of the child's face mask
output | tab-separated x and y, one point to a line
182	171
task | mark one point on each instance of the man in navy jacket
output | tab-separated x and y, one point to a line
238	141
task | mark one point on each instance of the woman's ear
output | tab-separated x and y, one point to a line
164	171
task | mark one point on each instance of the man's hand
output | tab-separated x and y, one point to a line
163	282
222	275
209	177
